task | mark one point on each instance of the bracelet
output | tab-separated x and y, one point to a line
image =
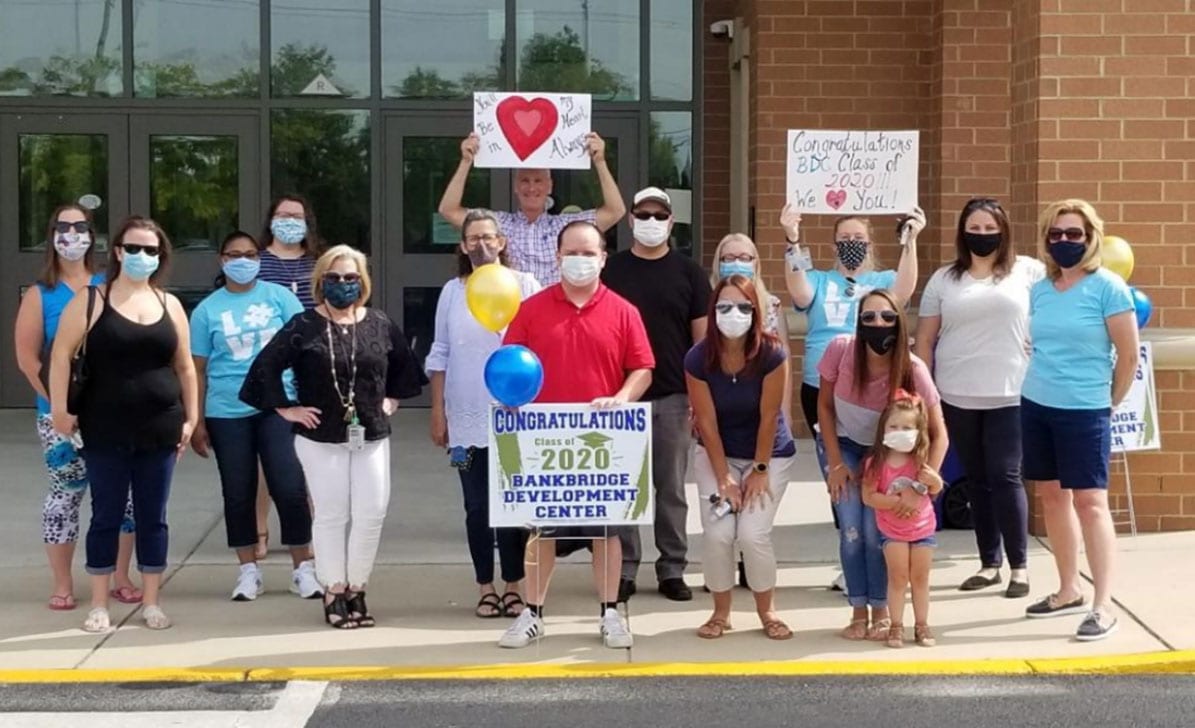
790	241
837	467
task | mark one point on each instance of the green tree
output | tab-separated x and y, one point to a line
557	62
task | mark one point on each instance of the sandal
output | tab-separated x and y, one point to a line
855	631
336	612
923	635
896	635
155	618
776	630
358	611
511	600
97	621
713	628
489	606
263	545
62	602
126	594
879	630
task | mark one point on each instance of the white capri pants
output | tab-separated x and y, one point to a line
751	529
346	485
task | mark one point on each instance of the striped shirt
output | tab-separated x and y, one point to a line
291	273
532	245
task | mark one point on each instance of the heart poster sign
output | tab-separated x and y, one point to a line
852	172
541	130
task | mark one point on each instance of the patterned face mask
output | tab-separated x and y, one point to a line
851	253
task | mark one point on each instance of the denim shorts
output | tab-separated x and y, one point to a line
931	541
1071	446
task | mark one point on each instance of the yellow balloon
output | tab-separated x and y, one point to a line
493	296
1117	255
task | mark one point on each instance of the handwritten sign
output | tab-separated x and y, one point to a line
1135	421
569	464
852	172
532	130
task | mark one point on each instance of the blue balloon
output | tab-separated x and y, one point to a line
514	375
1142	305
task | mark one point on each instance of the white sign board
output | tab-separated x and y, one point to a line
1135	421
532	130
852	172
570	464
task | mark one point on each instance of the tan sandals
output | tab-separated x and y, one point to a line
775	629
713	628
896	636
856	631
880	629
923	635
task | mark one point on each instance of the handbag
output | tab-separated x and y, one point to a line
77	385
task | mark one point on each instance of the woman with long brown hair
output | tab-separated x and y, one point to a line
859	376
736	380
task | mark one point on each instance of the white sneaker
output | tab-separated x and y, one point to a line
526	627
248	584
615	634
304	583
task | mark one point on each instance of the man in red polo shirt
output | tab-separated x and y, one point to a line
594	349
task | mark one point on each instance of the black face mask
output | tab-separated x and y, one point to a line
881	339
982	244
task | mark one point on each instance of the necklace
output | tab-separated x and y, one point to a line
346	400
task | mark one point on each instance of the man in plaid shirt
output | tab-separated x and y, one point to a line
531	231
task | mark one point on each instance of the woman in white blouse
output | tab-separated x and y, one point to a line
460	412
973	332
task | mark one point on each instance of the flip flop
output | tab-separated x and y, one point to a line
510	600
62	602
126	595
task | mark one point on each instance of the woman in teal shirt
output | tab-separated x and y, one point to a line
1080	317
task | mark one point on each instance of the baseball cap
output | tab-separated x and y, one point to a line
652	193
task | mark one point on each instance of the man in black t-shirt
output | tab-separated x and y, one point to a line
672	294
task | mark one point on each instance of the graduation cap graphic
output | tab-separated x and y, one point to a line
594	440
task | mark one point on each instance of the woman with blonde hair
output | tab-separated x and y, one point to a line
351	365
1085	350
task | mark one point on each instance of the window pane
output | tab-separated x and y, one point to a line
314	38
195	48
60	48
587	47
193	188
54	169
324	156
672	50
419	318
442	48
428	164
574	190
670	167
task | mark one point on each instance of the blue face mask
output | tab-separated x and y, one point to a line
342	294
1066	253
139	266
288	230
736	267
242	270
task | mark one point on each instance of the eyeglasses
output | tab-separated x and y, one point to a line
661	216
337	278
728	306
485	239
1074	234
740	258
135	248
82	226
871	317
238	254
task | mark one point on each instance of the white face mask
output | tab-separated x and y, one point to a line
72	246
580	270
901	440
651	233
733	324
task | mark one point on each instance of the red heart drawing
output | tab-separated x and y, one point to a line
835	198
526	124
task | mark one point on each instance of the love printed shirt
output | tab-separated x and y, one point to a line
230	330
833	311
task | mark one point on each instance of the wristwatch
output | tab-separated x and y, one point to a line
759	467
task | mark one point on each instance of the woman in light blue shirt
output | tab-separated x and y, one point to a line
1084	357
229	329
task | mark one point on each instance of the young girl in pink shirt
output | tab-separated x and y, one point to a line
899	484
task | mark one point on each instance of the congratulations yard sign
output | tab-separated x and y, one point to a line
569	464
1135	421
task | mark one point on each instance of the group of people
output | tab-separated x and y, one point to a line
289	379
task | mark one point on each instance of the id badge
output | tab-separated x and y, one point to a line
356	437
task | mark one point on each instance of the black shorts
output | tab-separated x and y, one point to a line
570	539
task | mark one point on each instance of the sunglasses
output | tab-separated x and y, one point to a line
1074	234
135	248
661	216
871	317
727	307
337	278
81	226
238	254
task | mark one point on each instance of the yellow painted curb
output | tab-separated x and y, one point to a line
1182	662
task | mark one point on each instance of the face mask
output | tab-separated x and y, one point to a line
852	253
342	294
881	339
242	270
288	230
481	255
901	440
733	323
579	270
982	244
1066	253
651	233
73	246
736	267
140	266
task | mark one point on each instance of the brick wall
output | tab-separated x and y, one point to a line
715	116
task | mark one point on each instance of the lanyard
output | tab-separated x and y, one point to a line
350	409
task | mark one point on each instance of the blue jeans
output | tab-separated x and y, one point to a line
859	546
111	472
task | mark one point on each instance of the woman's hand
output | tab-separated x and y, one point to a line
65	423
914	224
439	427
837	479
306	416
389	406
755	489
185	438
200	442
790	220
728	490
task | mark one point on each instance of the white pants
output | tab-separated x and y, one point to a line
751	529
346	485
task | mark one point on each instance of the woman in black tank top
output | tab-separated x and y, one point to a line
137	410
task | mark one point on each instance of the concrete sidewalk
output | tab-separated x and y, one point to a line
423	596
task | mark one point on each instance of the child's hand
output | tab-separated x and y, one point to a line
910	503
